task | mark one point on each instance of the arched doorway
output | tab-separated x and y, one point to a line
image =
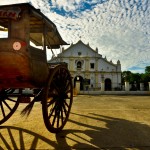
80	79
107	84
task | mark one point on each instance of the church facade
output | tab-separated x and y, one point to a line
89	68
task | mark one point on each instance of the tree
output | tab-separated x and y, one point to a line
126	76
145	77
135	77
147	69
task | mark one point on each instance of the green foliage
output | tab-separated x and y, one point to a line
147	69
136	77
145	77
126	75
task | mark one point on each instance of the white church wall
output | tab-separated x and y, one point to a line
108	76
94	62
102	67
119	78
99	80
105	66
80	51
92	79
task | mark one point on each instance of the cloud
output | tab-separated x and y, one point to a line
119	29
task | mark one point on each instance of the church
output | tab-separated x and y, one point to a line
89	68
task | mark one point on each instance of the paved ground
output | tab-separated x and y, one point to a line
96	122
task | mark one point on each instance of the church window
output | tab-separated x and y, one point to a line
79	64
92	65
79	53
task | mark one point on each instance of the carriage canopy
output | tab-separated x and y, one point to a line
39	24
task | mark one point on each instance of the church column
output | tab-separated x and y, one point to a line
71	65
96	64
126	86
86	76
149	85
141	86
96	80
86	64
102	83
102	86
96	70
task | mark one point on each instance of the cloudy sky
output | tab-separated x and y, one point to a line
120	29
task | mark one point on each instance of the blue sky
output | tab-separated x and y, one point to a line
120	29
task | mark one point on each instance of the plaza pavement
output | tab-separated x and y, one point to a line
96	122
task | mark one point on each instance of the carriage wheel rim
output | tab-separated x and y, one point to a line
8	105
58	103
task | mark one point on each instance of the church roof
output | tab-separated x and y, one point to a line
86	45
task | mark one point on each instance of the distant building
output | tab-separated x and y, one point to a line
89	68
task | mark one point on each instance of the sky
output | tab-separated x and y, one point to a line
120	29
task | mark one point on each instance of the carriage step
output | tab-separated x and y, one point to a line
24	99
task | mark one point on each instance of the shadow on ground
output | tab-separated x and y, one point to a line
118	134
16	138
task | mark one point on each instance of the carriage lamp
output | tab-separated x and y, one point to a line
16	46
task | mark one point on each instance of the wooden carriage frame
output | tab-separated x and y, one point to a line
22	29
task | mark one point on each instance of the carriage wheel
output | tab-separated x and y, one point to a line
58	97
8	104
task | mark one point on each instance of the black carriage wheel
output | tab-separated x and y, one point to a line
8	104
58	97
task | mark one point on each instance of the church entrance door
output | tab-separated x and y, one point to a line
107	85
78	79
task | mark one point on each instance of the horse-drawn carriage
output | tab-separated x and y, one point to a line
22	65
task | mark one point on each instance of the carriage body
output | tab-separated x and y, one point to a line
22	68
25	35
21	64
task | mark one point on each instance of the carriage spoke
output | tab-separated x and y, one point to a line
65	110
11	99
55	115
68	91
60	85
62	116
53	93
58	117
56	87
67	77
51	113
67	86
7	105
66	104
2	108
64	76
51	102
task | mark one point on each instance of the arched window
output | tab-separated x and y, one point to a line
79	64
